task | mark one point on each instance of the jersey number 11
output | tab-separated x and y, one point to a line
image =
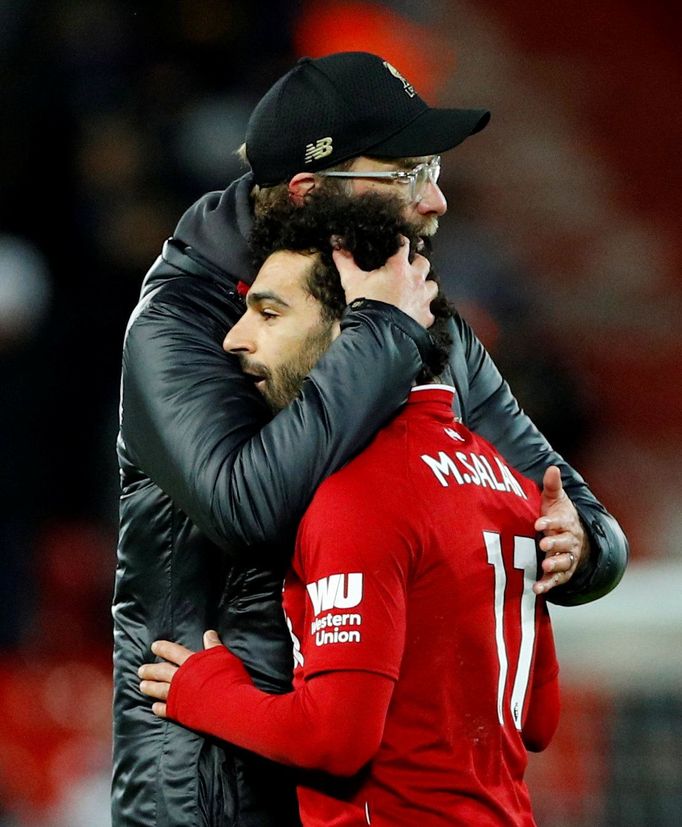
525	559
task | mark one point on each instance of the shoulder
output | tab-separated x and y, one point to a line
186	306
370	497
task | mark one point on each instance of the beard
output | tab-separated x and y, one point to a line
282	384
425	226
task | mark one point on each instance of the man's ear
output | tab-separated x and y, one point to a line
302	184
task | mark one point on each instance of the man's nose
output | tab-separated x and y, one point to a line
433	200
238	340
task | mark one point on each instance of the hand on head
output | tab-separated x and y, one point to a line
399	282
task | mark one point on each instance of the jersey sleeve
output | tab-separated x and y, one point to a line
354	559
213	693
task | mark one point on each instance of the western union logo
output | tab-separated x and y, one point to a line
320	149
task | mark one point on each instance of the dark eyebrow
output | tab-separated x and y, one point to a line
253	297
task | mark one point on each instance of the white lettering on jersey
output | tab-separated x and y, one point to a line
454	435
473	469
510	482
443	466
337	636
338	591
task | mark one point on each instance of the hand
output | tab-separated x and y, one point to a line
157	677
565	543
398	282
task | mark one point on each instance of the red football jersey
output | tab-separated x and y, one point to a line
416	561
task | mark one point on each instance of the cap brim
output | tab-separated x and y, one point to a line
432	132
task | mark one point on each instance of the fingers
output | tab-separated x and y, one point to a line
564	543
554	524
402	255
557	576
557	569
172	652
344	262
156	679
155	689
400	282
211	639
157	671
159	710
561	563
552	487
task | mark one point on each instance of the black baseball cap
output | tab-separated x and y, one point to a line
329	109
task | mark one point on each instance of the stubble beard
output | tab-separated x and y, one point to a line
283	383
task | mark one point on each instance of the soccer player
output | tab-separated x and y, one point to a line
424	661
208	476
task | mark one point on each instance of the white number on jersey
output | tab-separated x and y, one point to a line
524	559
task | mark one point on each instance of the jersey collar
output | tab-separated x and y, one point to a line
441	395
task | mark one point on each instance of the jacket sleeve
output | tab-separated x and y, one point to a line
197	428
492	411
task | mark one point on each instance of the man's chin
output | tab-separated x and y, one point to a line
276	401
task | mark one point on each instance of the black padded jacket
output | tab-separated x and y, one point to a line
212	489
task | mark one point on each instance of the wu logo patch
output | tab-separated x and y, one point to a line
454	435
407	86
320	149
338	591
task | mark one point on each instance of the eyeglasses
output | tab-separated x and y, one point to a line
417	178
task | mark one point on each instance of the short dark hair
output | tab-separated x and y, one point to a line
370	227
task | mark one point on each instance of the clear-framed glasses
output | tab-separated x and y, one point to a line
417	178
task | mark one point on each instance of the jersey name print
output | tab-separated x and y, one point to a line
416	562
473	469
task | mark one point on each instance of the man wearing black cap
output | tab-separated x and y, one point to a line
212	489
412	678
326	116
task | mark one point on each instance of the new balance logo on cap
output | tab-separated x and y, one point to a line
320	149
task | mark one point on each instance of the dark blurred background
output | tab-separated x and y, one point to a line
562	247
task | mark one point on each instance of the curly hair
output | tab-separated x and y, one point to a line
370	227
